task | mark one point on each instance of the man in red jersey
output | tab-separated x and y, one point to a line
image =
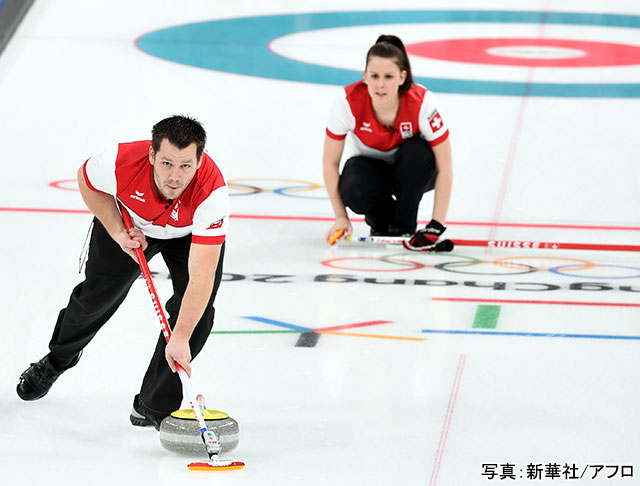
178	201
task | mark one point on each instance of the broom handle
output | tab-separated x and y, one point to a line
531	245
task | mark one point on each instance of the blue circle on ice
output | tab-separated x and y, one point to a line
241	46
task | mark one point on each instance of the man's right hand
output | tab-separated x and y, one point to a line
130	240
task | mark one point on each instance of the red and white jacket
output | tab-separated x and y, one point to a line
417	114
202	210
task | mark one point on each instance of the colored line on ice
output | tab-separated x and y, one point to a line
453	396
334	330
352	334
278	323
532	334
539	302
375	336
261	331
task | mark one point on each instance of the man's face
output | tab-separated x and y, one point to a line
173	168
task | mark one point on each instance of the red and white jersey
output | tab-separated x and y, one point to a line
202	210
417	114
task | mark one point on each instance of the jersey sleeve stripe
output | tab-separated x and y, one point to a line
439	140
335	136
208	240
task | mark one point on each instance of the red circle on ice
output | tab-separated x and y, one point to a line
529	52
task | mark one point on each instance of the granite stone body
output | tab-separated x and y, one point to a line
182	435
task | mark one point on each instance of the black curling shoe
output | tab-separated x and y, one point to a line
38	378
141	417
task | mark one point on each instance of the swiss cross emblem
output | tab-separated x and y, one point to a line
406	129
435	122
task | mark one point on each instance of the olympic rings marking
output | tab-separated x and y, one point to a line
585	265
252	189
329	263
454	266
443	266
472	260
238	188
557	270
281	191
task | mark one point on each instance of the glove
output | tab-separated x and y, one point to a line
427	236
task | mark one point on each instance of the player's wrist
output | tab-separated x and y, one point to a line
437	225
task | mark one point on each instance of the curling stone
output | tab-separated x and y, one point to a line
179	432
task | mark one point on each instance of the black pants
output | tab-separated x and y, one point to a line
109	274
389	194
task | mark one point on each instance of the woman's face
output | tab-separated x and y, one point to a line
383	77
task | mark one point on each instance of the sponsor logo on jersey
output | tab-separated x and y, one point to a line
366	127
406	129
435	121
216	224
174	213
138	196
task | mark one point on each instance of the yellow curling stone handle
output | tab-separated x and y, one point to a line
206	413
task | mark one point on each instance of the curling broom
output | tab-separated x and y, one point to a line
448	245
208	437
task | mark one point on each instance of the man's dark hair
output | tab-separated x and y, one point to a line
181	131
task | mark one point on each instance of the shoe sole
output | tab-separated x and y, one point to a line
139	420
